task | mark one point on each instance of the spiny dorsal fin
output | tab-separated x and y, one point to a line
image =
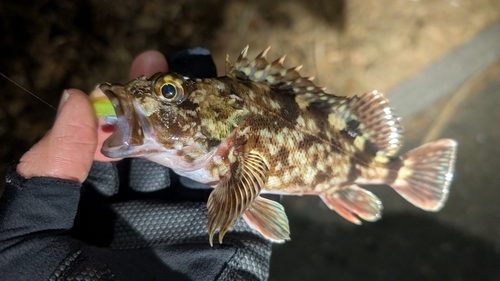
366	118
273	74
232	197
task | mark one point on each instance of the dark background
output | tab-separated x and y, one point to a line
351	47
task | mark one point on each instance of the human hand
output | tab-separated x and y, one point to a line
76	138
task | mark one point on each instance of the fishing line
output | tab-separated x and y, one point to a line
27	91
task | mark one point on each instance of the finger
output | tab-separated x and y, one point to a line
147	64
67	150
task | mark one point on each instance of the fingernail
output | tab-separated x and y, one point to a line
64	98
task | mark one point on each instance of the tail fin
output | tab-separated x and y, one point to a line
425	177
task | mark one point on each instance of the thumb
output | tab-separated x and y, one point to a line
67	150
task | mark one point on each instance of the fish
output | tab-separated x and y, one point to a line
263	128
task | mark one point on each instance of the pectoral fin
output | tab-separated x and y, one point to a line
235	194
269	218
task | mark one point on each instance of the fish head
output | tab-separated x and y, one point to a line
170	119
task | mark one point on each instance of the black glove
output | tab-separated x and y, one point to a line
136	220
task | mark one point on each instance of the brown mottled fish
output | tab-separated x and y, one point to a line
265	129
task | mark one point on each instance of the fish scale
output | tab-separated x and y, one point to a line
265	128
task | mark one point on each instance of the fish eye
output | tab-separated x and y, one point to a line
169	88
168	91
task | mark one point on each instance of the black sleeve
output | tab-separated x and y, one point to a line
35	218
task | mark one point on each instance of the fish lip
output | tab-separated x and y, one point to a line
122	141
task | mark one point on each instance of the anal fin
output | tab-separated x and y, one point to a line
353	200
269	218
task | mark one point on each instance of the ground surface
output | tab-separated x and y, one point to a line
351	47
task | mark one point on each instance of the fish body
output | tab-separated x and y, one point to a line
266	129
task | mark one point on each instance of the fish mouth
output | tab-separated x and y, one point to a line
129	125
